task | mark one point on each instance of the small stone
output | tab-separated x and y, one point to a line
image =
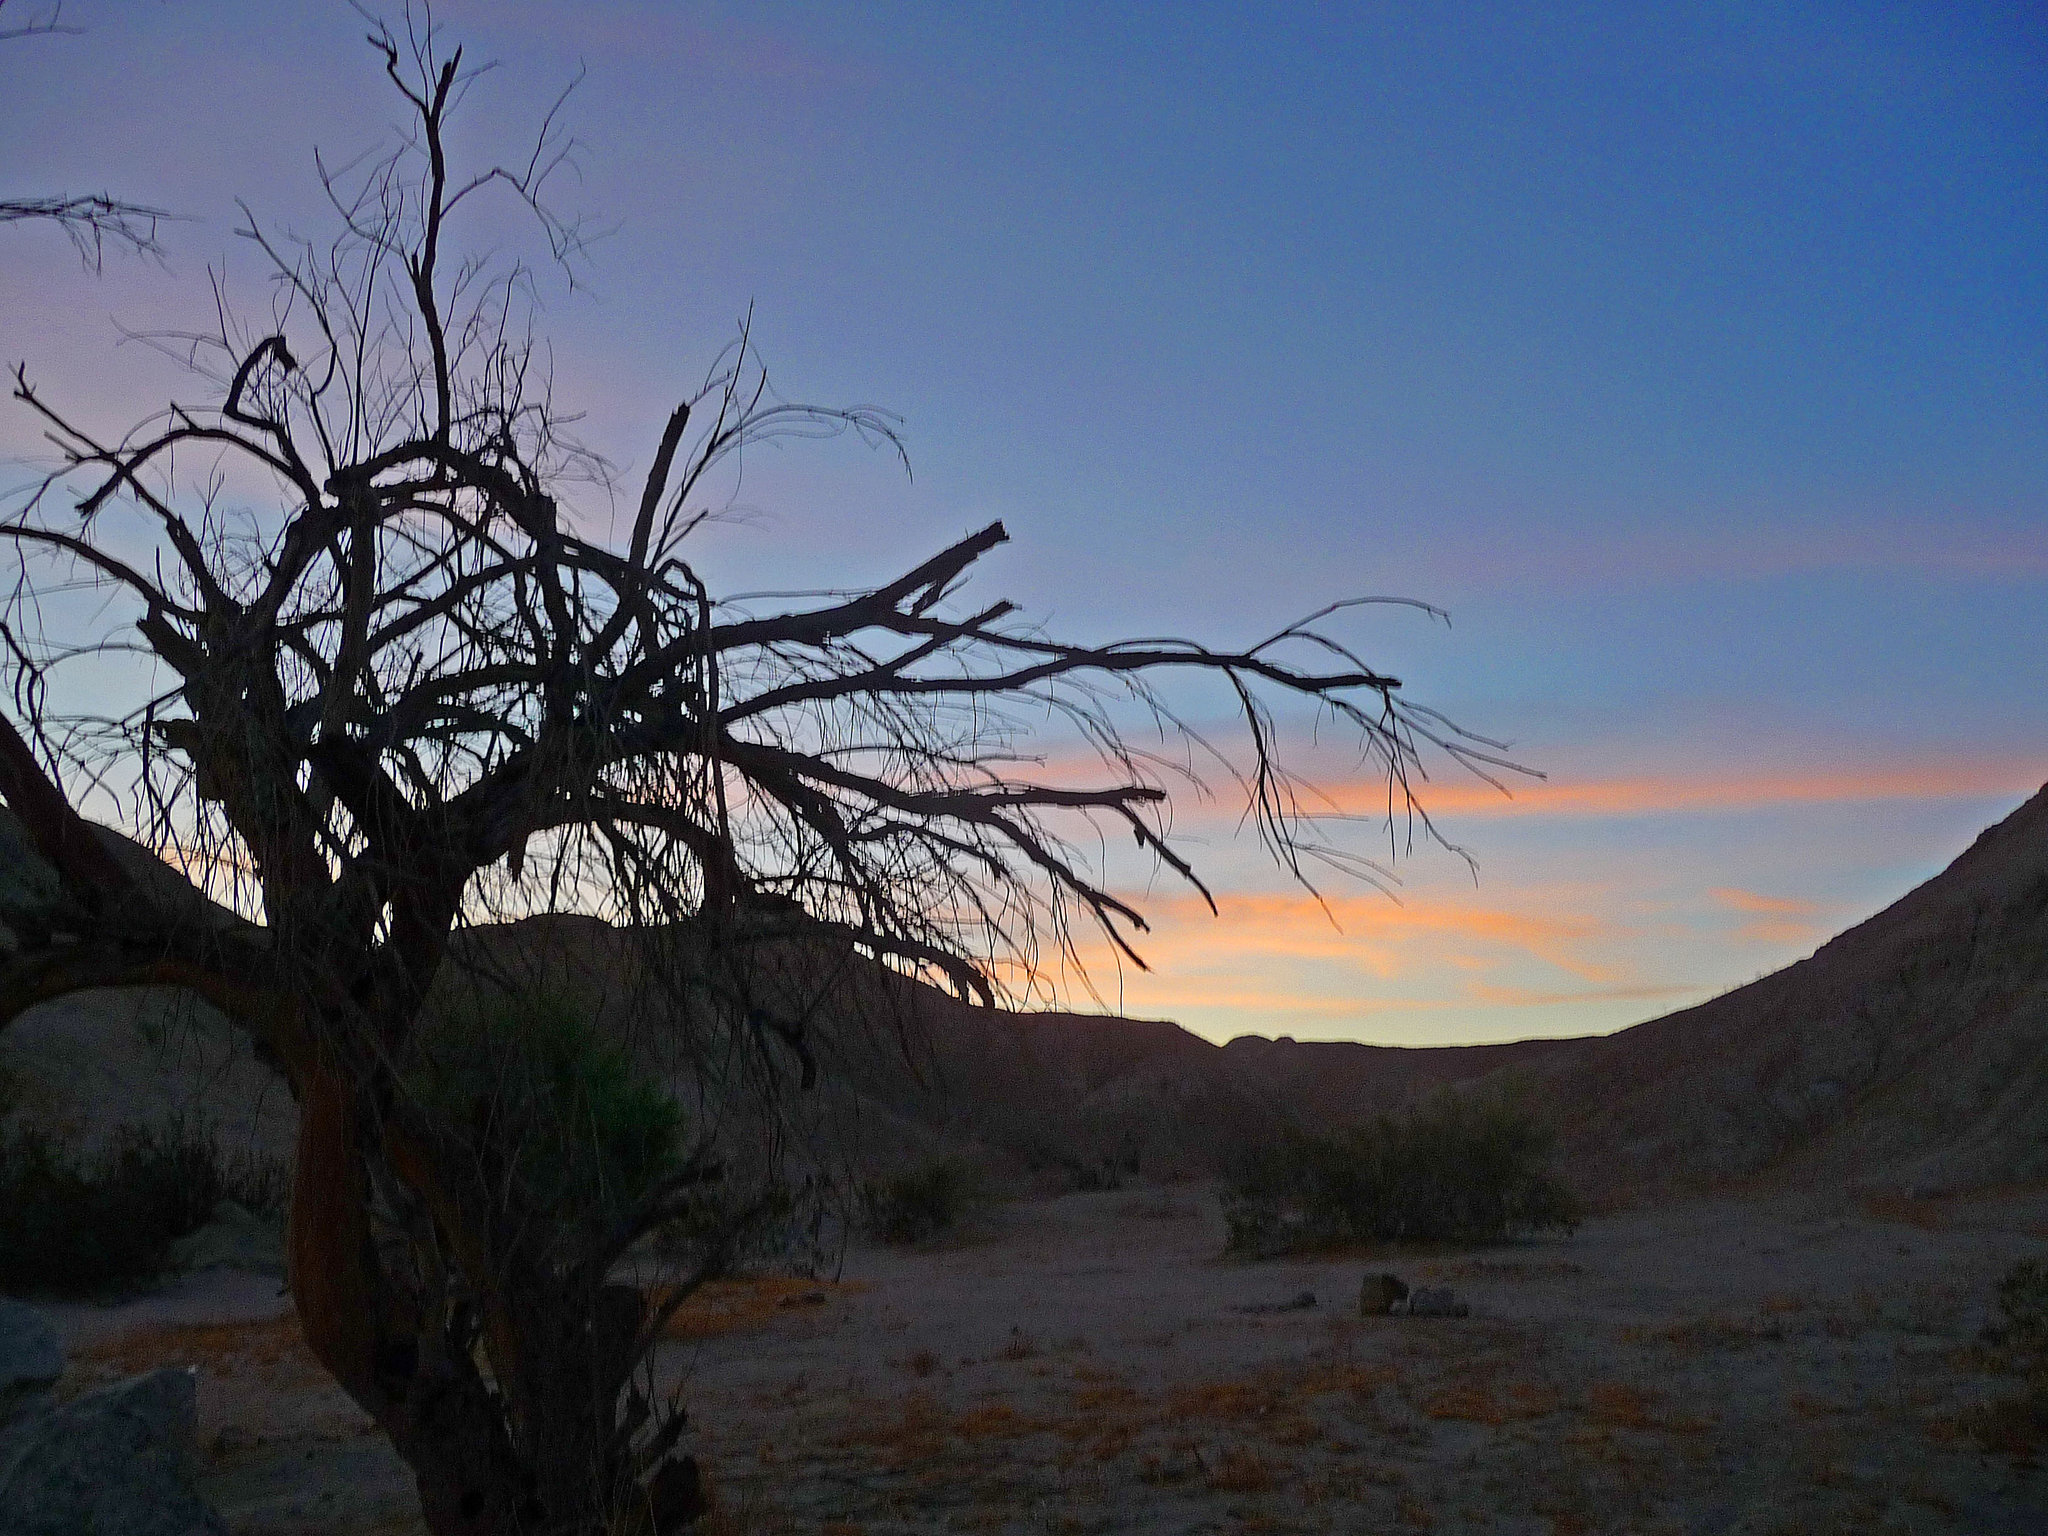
1378	1293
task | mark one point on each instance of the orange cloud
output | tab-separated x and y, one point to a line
1363	929
1750	901
1779	919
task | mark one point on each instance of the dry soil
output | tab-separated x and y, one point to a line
1094	1363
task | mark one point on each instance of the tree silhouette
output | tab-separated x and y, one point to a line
398	694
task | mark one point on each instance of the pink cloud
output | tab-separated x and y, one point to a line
1651	795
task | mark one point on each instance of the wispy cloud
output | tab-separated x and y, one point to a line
1366	932
1749	901
1774	919
1667	794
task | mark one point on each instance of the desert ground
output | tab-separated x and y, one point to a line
1096	1363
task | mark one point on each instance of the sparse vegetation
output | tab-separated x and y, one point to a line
75	1223
1461	1167
2016	1423
919	1204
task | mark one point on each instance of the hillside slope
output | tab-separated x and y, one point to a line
1910	1051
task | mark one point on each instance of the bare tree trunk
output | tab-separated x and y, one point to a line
428	1397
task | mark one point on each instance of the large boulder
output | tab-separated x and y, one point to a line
119	1459
235	1238
31	1359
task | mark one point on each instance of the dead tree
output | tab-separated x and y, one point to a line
392	689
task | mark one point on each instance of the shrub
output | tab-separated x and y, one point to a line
2016	1424
560	1115
910	1207
2023	1298
1461	1167
76	1224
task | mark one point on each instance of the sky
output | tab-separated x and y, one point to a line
1693	357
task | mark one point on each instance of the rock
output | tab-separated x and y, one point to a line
1436	1301
1378	1293
31	1359
119	1459
233	1238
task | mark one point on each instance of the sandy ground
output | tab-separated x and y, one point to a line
1092	1364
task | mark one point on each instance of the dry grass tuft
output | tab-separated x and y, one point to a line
1805	1406
1703	1334
747	1302
1113	1398
1414	1512
223	1349
1483	1402
1223	1400
1621	1405
992	1420
1238	1469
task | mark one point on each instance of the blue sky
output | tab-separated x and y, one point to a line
1694	357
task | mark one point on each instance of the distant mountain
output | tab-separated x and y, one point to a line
1910	1051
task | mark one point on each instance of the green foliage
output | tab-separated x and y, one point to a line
76	1224
910	1207
1467	1167
568	1129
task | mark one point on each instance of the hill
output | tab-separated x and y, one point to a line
1909	1052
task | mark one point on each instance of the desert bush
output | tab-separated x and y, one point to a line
75	1222
920	1203
2023	1298
1464	1167
2016	1424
